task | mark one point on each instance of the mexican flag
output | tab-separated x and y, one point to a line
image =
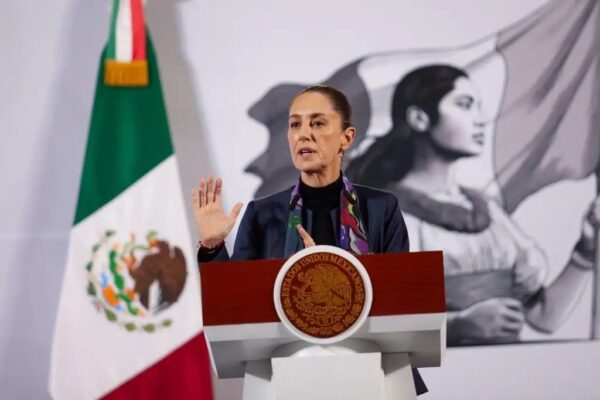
129	323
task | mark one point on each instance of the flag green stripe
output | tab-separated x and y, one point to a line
128	136
111	49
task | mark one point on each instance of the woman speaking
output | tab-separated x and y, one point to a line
324	207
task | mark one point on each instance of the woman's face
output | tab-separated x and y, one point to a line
460	128
315	135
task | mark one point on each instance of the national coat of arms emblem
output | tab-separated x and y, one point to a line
132	281
323	294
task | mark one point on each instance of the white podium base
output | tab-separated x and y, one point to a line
257	381
353	372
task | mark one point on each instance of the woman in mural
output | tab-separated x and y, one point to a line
495	274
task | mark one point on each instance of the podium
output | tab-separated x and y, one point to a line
405	327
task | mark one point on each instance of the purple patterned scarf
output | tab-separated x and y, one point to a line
353	237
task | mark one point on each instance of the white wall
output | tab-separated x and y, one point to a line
216	58
47	73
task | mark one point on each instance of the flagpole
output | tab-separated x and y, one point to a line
595	321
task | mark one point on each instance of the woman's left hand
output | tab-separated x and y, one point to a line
306	238
591	224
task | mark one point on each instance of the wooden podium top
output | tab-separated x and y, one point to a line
241	292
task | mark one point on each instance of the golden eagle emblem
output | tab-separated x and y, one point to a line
322	295
131	282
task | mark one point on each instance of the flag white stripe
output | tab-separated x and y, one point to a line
124	34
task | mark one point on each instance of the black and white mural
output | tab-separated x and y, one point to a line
463	137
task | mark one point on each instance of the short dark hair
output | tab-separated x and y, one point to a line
338	100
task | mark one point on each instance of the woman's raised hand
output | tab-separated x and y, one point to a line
212	222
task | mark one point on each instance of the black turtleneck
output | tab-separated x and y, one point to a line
321	201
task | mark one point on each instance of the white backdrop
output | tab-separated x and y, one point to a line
216	59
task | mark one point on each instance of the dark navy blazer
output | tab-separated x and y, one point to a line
263	229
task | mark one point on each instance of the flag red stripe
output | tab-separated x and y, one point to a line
138	30
183	374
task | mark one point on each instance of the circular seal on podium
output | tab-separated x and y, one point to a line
323	294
